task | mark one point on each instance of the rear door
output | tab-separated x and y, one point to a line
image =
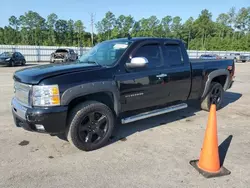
15	58
178	72
20	57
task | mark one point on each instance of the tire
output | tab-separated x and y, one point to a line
243	61
11	63
52	60
23	62
83	123
206	102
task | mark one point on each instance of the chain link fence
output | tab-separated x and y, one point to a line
42	53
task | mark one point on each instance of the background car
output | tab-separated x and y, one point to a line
210	56
244	58
237	57
63	55
11	59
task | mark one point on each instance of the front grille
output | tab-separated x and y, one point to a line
22	92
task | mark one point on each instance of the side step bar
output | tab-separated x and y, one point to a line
154	113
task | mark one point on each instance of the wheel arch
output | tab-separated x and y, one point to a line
221	76
105	92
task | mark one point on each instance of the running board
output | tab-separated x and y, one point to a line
154	113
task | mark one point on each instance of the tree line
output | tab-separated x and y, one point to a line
230	30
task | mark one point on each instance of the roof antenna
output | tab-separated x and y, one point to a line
129	33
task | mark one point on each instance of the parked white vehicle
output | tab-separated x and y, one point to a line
237	57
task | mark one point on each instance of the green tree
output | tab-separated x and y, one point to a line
203	27
33	25
222	26
51	21
70	33
61	27
166	22
176	27
79	29
15	23
124	24
187	31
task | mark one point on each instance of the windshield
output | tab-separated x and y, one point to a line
61	51
105	53
5	54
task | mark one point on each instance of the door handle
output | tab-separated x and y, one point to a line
161	75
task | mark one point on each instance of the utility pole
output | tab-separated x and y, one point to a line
92	21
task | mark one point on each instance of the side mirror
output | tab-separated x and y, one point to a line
137	62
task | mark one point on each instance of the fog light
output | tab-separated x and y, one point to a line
39	127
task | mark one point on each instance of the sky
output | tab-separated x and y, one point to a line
81	9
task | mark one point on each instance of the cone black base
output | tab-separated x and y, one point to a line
223	171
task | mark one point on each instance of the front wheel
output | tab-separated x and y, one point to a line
215	95
11	63
90	125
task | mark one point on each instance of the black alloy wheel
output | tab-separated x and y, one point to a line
93	127
90	125
216	95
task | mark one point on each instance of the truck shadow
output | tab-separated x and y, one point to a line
121	132
230	97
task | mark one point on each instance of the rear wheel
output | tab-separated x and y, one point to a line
215	95
90	125
23	62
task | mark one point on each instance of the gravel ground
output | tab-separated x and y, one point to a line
150	153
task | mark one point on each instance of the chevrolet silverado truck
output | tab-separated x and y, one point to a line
122	80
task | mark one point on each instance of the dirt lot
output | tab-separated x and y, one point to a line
150	153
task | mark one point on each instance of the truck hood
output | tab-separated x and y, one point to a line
35	74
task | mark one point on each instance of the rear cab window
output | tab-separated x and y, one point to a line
172	54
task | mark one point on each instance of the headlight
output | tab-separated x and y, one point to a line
7	59
46	95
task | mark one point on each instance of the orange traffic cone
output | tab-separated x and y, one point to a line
209	163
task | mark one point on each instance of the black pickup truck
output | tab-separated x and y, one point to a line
117	80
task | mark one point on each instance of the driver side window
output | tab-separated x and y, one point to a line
152	53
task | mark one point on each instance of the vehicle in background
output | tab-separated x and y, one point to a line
244	58
122	80
63	55
237	57
210	56
11	59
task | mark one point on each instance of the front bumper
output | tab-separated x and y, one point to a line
60	60
4	62
53	119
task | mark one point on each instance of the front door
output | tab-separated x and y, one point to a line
140	88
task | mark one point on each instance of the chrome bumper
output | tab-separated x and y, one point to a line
18	109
